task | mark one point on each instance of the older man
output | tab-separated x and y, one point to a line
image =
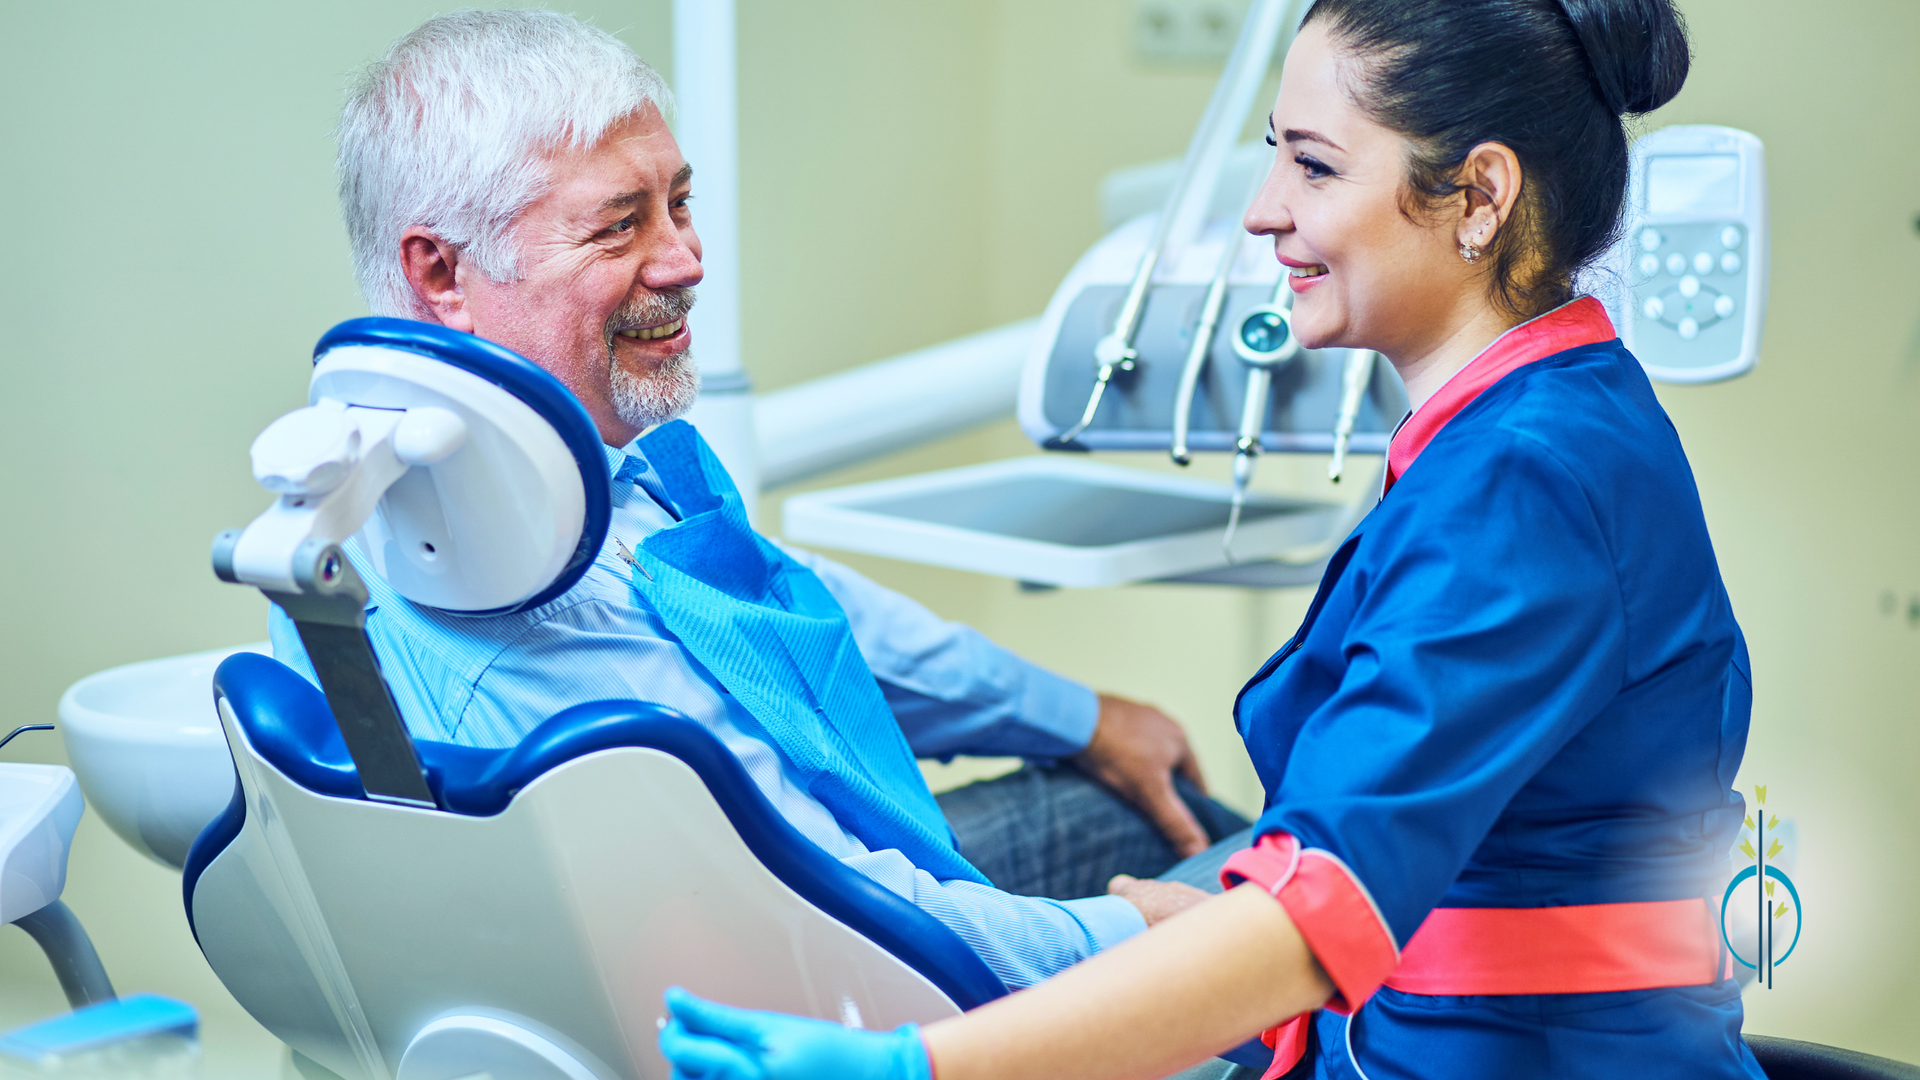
510	174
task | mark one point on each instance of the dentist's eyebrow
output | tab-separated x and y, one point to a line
1295	135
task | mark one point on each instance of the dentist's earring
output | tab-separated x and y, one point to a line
1470	250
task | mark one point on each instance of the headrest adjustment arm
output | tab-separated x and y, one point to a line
330	612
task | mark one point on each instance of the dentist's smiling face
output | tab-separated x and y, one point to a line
1365	274
608	260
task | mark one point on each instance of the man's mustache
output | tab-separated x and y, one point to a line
650	309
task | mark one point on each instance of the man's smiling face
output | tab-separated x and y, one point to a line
608	260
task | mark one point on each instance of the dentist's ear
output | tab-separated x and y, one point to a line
433	269
1491	178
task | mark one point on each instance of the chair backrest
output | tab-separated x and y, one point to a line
617	850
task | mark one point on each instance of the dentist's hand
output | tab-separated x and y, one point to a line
1135	750
709	1041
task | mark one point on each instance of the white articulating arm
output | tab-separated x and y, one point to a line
330	463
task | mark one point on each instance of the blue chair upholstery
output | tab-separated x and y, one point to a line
290	724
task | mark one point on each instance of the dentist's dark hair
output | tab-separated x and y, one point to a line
1549	79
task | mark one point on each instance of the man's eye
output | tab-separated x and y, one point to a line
625	224
1315	169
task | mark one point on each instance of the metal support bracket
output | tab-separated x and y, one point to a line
330	612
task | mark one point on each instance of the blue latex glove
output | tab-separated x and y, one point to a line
709	1041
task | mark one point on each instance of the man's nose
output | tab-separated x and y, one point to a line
673	261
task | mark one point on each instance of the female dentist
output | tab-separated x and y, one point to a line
1499	750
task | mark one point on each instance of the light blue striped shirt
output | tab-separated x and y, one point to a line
487	681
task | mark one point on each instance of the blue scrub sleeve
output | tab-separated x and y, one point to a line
1485	634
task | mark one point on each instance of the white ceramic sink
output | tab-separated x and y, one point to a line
40	806
148	748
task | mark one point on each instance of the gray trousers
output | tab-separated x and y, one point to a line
1052	831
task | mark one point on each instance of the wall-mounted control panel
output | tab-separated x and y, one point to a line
1693	256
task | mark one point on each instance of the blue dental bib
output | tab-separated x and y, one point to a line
777	640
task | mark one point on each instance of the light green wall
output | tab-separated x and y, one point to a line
912	172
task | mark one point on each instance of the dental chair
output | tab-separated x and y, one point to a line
401	908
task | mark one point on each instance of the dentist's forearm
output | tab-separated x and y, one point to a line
1199	983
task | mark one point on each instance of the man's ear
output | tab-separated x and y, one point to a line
1491	178
432	267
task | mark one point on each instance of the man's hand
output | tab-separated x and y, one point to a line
1135	751
1155	899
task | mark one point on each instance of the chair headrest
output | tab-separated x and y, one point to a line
516	515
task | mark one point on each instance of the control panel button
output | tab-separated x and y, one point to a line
1650	239
1676	264
1729	263
1702	263
1650	264
1729	237
1689	286
1723	306
1654	308
1689	329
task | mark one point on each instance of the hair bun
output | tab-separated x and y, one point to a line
1637	49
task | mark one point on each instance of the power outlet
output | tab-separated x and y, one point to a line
1186	32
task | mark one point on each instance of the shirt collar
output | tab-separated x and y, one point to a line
1582	321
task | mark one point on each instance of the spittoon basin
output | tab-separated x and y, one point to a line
39	809
147	745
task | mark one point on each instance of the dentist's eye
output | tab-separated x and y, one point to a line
1270	141
1315	169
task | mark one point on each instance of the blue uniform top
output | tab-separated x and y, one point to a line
1521	685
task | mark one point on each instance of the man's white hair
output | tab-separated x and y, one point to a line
451	131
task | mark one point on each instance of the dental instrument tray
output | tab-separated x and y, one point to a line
1138	413
1054	521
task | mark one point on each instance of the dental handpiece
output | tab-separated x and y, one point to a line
1353	390
1203	332
1265	341
1115	353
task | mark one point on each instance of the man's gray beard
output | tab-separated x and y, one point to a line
646	400
669	391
